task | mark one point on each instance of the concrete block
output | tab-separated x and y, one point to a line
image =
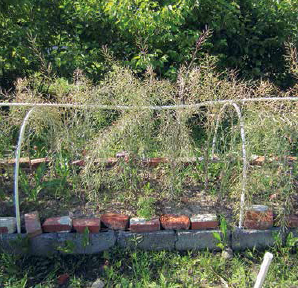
14	243
75	243
197	240
260	239
158	240
294	232
44	244
101	242
52	243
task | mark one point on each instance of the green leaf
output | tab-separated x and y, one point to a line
217	236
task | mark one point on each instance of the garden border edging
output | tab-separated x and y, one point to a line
75	243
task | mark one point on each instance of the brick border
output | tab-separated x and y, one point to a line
149	162
169	232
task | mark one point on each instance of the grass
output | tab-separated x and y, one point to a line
119	268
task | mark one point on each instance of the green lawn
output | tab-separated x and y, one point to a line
119	268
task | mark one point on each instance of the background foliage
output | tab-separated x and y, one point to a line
62	35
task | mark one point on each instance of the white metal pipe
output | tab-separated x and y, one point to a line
124	107
16	171
165	107
244	156
244	167
216	129
263	270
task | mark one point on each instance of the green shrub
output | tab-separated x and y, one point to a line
61	36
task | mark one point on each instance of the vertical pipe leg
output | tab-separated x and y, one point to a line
245	165
244	157
16	171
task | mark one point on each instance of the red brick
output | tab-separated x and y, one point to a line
143	225
32	224
80	163
93	225
108	162
292	221
174	222
258	160
186	161
203	221
35	162
258	217
287	158
115	221
57	224
24	161
123	154
8	225
273	196
127	157
3	230
62	279
154	162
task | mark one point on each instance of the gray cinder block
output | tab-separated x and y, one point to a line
198	240
75	243
260	239
158	240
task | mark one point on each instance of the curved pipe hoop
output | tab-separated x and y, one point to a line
122	107
244	156
216	129
16	171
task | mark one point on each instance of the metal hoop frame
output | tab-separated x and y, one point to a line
225	103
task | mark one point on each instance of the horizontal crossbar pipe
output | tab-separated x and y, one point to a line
119	107
165	107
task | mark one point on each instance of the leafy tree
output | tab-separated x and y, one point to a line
63	35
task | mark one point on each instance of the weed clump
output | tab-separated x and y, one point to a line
182	137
